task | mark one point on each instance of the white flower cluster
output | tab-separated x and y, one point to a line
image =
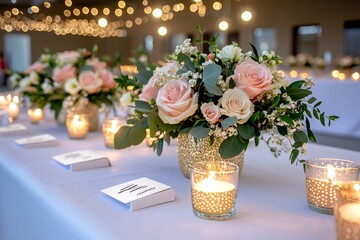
47	87
72	102
270	59
309	82
222	84
222	133
192	77
186	48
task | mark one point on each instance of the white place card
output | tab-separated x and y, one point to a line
37	141
13	129
80	160
141	193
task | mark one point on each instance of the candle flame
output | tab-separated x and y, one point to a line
12	106
331	172
16	99
357	187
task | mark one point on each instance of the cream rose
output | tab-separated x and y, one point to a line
149	91
36	67
236	103
67	57
107	79
176	101
166	73
90	82
230	53
96	64
253	78
211	112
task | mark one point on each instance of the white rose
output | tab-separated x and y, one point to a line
230	52
47	87
72	86
126	99
34	78
236	103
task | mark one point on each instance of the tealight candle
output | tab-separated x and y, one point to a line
77	125
214	189
3	102
347	211
321	176
110	127
14	110
35	115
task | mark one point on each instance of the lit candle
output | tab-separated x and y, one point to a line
3	102
347	211
321	177
212	196
14	110
214	189
110	128
77	125
35	115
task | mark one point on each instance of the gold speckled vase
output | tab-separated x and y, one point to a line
191	151
93	112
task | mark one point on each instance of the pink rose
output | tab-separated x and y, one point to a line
176	101
253	78
96	64
36	67
107	79
211	112
61	75
90	82
149	91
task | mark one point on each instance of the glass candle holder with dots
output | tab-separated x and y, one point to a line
214	189
322	174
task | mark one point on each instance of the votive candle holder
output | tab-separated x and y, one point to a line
214	189
77	125
347	211
321	176
35	114
109	128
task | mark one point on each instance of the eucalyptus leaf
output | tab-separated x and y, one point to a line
152	124
227	122
246	131
121	138
210	77
136	135
159	146
199	132
231	147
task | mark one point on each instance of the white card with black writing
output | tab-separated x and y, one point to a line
39	140
141	193
80	160
13	128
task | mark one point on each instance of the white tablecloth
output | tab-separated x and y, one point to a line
42	200
339	98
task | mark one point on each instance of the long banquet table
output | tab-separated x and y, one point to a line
42	200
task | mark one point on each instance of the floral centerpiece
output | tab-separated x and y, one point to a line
347	62
227	95
65	80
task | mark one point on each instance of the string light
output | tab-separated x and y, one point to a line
162	31
35	19
246	16
223	25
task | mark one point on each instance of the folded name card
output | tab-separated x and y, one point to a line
80	160
37	141
13	129
141	193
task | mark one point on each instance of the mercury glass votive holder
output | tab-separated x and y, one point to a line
109	128
347	211
77	125
214	189
35	114
321	176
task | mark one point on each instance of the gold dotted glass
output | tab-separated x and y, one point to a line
347	211
109	129
77	125
214	189
321	176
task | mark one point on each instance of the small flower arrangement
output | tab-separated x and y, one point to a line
67	79
228	94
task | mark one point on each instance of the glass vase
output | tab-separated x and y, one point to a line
191	151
